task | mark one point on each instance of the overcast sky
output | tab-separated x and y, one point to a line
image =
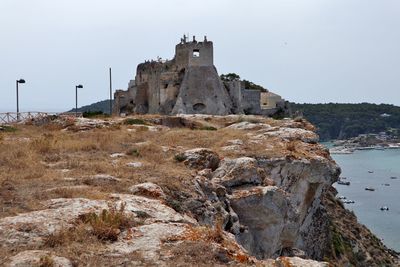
305	50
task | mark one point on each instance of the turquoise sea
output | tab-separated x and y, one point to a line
382	164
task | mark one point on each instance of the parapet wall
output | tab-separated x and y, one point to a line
194	54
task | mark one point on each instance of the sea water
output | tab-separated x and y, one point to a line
373	168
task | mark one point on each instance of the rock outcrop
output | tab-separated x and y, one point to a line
268	201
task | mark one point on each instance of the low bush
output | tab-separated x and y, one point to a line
208	128
133	152
179	157
107	225
8	129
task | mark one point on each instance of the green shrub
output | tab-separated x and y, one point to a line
179	157
91	114
133	152
208	128
8	129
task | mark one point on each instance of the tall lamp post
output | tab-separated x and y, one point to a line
18	82
76	98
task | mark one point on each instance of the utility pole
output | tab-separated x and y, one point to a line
18	82
110	94
76	98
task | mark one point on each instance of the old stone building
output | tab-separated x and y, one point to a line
190	84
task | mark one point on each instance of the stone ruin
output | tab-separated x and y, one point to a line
190	84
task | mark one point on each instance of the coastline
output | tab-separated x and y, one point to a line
376	169
380	141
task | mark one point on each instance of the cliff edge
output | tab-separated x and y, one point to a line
175	191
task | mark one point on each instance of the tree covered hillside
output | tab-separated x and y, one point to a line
101	106
340	121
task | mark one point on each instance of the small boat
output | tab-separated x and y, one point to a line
343	183
370	171
370	189
341	197
386	184
384	208
348	201
393	177
342	178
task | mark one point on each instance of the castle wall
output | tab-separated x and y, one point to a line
154	91
250	102
234	89
194	54
141	99
270	100
202	92
189	83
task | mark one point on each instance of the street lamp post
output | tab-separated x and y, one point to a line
18	82
76	98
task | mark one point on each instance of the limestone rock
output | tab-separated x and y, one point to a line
117	155
245	125
201	158
298	262
148	189
293	134
134	164
240	171
237	142
264	212
101	179
32	227
37	258
146	239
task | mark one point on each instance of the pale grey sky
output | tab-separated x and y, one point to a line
305	50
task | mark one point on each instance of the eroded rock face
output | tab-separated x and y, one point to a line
200	158
264	212
268	220
240	171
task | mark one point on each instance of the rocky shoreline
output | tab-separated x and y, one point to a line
380	141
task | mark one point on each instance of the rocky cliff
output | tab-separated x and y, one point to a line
175	191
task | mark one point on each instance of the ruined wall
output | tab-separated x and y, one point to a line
202	92
234	89
194	54
270	100
189	83
250	102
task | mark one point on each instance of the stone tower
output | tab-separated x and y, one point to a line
202	90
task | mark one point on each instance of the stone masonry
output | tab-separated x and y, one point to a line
190	84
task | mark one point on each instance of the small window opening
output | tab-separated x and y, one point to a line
196	53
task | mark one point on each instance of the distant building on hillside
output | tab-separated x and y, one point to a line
190	84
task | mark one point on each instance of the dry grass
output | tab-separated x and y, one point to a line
46	261
33	159
107	225
41	163
104	227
